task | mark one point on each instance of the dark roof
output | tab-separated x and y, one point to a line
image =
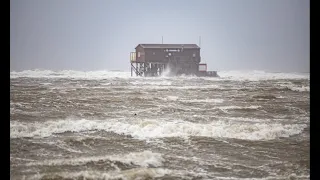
185	46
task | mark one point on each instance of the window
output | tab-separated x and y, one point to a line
173	50
202	67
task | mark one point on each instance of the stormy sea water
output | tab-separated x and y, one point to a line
108	125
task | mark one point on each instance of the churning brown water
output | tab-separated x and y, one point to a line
107	125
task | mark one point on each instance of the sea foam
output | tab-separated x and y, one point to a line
149	129
143	159
103	74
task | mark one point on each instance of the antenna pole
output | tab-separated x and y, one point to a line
200	41
162	39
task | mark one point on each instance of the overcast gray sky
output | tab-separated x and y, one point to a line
270	35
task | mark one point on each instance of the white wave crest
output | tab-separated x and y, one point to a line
301	89
148	129
69	74
143	159
203	100
238	107
156	83
131	174
224	75
297	88
260	75
169	98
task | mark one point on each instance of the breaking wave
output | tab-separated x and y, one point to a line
69	74
296	88
148	129
261	75
238	107
224	75
203	100
131	174
143	159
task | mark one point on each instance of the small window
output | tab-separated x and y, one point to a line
194	54
154	53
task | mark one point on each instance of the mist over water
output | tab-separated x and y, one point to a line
108	125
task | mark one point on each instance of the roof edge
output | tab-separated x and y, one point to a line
187	45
